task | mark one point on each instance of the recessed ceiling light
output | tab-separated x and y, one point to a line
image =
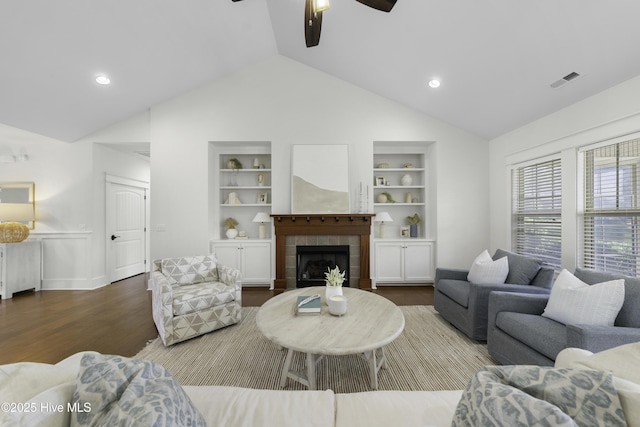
434	83
103	79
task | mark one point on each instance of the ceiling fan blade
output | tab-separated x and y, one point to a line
383	5
312	24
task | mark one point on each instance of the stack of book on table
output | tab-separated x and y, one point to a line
307	304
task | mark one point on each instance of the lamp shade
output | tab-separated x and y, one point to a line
262	217
16	212
320	5
383	217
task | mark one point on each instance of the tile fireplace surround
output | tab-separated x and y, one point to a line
320	229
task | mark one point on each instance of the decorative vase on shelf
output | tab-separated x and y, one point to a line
413	230
232	233
406	179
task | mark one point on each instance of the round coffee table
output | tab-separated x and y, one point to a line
371	322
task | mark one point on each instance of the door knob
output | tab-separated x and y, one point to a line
114	237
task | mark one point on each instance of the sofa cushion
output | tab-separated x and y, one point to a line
526	328
629	314
574	302
457	290
540	396
115	390
522	269
486	271
189	270
191	298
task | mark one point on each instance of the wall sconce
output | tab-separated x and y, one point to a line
382	217
262	217
12	231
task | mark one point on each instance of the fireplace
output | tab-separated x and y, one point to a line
290	227
313	261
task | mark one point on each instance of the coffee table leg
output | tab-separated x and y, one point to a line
311	371
285	369
373	370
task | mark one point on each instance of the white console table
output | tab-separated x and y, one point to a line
20	267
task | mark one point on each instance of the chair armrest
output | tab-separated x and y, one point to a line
597	338
450	273
232	277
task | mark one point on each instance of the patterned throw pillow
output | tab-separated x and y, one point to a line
539	396
115	390
486	271
190	270
573	302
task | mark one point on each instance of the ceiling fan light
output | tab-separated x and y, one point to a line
434	83
320	5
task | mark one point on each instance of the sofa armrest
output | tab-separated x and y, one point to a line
451	273
597	338
514	302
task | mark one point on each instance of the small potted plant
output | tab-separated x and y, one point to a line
230	225
413	221
234	164
334	280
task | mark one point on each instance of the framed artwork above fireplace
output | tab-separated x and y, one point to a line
320	179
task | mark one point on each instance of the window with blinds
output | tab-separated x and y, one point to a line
536	211
611	214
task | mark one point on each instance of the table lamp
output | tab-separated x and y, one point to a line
262	217
12	231
382	217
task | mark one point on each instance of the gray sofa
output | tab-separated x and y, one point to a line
465	304
518	334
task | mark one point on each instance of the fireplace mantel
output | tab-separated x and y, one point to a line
322	224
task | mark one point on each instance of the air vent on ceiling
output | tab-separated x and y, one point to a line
566	79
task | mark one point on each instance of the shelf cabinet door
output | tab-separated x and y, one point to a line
253	259
417	261
389	262
256	262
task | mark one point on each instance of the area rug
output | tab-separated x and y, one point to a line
429	355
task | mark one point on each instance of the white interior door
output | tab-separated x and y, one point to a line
126	230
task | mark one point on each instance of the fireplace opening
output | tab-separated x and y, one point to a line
313	261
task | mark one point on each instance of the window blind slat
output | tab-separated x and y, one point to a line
612	210
536	211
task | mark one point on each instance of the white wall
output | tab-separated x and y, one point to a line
287	103
69	200
609	114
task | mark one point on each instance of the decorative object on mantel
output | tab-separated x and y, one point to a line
230	225
320	179
382	217
334	279
11	229
262	217
413	221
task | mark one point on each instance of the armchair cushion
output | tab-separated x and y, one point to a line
574	302
528	327
197	297
190	270
522	269
485	270
457	290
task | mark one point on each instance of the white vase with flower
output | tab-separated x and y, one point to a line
334	279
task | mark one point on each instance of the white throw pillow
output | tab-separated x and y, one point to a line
486	271
574	302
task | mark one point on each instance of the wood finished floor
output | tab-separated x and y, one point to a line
48	326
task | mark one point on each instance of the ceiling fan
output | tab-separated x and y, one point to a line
313	16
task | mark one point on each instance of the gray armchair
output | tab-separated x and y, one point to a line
518	334
465	304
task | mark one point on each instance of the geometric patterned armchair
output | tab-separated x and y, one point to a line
192	296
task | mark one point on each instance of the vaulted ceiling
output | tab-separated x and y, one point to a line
496	59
